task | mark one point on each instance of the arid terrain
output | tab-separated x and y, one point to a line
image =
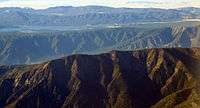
152	78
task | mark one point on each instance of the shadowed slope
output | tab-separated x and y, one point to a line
138	79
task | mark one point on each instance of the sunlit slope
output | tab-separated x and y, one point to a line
158	78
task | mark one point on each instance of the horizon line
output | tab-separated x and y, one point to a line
99	6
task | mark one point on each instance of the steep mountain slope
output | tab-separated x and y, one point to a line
31	47
158	78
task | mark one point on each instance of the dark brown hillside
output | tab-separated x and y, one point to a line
136	79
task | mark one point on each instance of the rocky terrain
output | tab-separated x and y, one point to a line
157	78
33	47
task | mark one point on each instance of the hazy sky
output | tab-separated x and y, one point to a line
38	4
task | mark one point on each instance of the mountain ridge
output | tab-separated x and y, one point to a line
139	79
91	15
54	44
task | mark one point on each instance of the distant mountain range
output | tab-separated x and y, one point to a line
153	78
31	36
92	15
